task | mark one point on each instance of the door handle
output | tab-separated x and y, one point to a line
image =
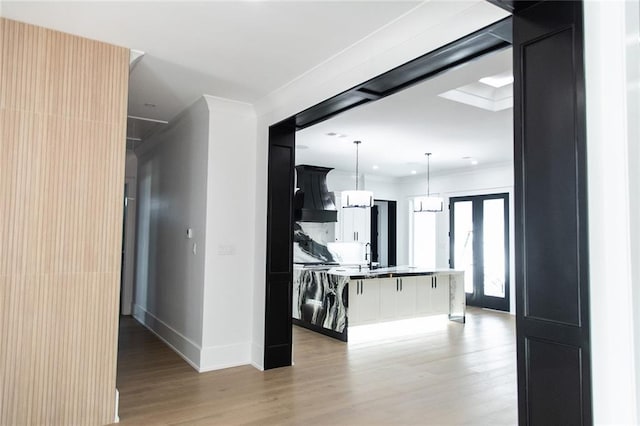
397	284
400	284
435	282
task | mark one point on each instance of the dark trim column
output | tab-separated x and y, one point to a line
552	271
279	274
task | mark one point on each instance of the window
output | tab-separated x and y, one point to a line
422	236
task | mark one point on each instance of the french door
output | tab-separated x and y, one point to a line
479	245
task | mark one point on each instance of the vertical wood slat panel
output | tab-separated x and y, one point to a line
63	103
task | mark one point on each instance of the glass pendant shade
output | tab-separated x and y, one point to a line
354	199
428	203
357	198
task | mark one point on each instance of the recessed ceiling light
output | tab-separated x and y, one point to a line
331	134
413	172
150	105
375	167
342	135
466	158
474	162
498	80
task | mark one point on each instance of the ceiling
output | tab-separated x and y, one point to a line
246	50
241	50
398	130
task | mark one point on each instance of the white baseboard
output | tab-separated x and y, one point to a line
224	356
116	417
187	349
257	356
201	359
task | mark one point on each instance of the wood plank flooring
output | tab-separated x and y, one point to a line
448	374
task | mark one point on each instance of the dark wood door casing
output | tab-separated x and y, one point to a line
552	281
279	274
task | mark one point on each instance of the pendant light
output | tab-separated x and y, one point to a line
428	203
357	198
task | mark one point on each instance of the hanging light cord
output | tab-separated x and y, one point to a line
357	143
428	154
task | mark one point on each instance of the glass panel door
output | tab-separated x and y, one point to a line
493	248
463	224
479	246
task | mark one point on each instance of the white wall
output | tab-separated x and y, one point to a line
429	26
172	196
612	62
196	293
228	297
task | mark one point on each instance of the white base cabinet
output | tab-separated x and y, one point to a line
397	298
440	295
364	301
388	299
432	294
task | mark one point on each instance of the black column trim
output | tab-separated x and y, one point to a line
551	230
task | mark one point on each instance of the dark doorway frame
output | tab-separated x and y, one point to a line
281	158
551	216
477	298
392	225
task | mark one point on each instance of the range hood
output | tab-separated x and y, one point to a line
312	201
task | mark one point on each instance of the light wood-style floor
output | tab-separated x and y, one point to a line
449	374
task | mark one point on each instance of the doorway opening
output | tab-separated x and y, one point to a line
282	157
384	232
553	327
418	119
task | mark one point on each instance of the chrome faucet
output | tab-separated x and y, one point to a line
367	254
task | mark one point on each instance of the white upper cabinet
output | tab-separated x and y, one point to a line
354	224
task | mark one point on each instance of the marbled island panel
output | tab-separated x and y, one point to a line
320	299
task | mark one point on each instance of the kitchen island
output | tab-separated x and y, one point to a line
330	299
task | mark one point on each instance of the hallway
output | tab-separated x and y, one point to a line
448	374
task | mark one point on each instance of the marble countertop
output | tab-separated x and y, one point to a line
394	271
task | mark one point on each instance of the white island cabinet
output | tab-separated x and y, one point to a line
364	302
330	300
407	296
397	298
432	294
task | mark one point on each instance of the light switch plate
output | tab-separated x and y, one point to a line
226	249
